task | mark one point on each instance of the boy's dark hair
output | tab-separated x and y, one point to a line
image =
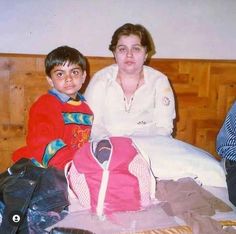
62	55
133	29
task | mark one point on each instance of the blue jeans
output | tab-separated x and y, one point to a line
230	167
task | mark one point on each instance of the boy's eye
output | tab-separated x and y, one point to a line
59	74
76	72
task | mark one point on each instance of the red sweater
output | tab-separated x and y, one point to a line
55	131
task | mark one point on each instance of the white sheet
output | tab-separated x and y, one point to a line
174	159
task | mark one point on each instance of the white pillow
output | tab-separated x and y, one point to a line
174	159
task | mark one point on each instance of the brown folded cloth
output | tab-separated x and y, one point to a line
202	224
189	201
185	194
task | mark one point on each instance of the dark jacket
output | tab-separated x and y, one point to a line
34	197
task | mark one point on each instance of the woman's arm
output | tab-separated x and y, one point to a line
164	112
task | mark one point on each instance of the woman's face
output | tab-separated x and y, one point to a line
130	55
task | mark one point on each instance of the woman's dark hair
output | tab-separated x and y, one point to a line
62	55
133	29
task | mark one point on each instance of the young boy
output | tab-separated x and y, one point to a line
60	121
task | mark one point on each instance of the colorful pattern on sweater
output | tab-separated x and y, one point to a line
77	118
51	150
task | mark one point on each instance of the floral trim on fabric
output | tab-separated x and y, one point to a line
80	136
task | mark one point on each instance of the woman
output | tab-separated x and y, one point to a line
129	98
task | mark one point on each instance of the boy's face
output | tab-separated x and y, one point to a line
67	79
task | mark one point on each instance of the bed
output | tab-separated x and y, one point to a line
149	221
191	195
154	220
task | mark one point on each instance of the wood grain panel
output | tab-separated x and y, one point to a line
204	91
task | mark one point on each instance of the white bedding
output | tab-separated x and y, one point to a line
174	159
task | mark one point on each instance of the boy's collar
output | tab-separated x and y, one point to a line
65	98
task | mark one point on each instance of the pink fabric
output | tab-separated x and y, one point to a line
78	188
140	168
127	175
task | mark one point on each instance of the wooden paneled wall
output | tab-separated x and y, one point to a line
204	89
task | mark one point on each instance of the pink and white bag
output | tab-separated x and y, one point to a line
110	176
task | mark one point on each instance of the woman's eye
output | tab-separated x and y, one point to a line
136	49
121	49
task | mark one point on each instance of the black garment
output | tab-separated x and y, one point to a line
61	230
230	167
103	151
27	190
